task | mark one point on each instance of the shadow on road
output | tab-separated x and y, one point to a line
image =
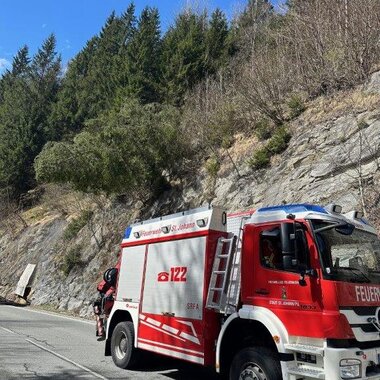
175	369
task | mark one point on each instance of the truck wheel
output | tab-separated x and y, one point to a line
124	354
255	364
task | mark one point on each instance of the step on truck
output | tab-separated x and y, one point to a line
286	292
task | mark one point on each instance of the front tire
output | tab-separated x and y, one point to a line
255	363
123	352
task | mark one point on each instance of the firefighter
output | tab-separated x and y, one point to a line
103	305
271	254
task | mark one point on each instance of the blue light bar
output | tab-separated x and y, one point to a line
294	208
127	233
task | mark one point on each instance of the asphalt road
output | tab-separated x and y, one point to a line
39	345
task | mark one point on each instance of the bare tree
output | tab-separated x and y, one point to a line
210	119
334	42
11	214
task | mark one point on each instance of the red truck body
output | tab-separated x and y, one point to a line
287	292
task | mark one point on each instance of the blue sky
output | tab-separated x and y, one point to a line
75	21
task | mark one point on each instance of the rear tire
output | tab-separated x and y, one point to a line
124	354
255	363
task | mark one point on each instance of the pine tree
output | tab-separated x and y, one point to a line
28	94
129	21
15	126
143	58
20	64
95	76
217	41
184	55
74	98
45	71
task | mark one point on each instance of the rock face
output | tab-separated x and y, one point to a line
333	156
323	163
373	85
43	243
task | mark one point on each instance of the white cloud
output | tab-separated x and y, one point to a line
4	64
43	26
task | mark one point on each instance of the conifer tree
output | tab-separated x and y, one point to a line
21	62
45	71
95	77
14	125
143	58
28	94
74	98
217	41
184	55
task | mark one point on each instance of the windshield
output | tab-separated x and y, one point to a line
348	254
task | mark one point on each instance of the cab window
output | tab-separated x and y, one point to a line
271	250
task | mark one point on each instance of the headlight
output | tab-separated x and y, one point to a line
350	369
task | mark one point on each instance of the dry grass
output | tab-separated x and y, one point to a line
243	146
63	200
37	215
345	102
240	151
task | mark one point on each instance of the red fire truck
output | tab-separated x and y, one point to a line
286	292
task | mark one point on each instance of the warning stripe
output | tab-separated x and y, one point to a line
171	352
168	330
175	348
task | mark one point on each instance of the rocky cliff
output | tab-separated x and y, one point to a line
333	156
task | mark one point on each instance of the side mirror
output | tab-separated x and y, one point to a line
288	246
110	276
294	247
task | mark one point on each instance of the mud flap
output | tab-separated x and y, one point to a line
107	348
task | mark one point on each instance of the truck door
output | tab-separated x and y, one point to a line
275	283
131	274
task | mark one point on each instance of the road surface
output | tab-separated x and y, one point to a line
40	345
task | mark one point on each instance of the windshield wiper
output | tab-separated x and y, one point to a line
331	226
355	272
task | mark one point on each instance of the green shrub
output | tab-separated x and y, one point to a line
212	166
72	259
277	144
77	224
296	105
279	141
263	129
260	159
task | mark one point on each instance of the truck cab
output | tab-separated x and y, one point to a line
310	279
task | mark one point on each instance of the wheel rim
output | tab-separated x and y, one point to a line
252	372
121	346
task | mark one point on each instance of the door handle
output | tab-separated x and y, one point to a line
168	314
262	292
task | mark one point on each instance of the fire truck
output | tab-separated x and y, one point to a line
286	292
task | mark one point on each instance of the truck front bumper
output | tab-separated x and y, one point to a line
333	363
346	363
